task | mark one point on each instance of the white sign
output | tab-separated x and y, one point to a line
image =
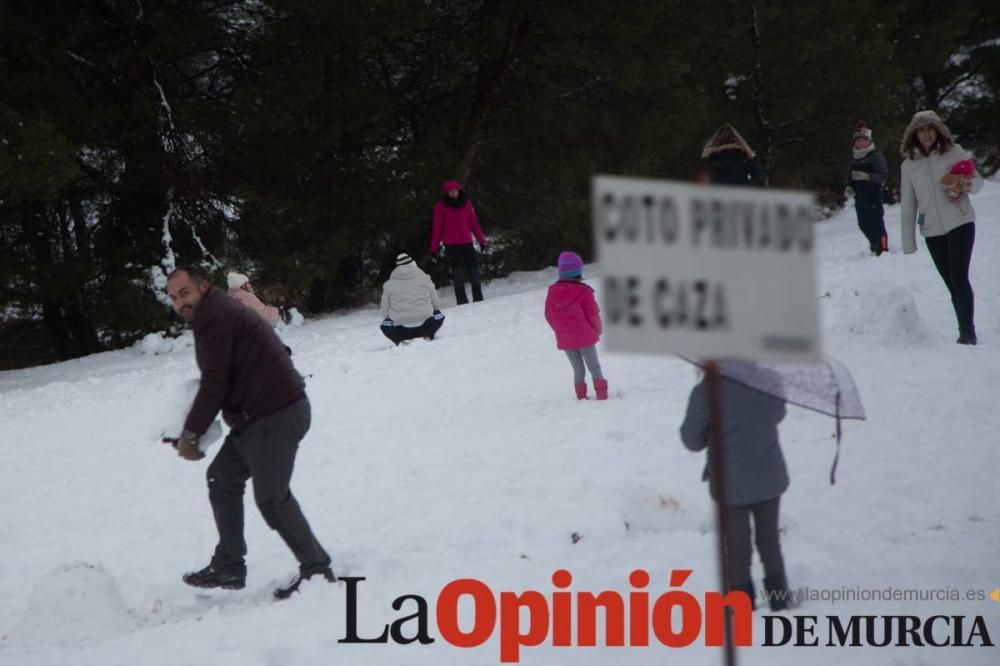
706	271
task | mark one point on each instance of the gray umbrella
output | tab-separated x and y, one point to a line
826	387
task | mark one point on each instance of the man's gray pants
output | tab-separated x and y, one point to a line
264	451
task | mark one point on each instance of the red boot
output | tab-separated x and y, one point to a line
601	388
581	391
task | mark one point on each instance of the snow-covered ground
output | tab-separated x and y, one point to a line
469	458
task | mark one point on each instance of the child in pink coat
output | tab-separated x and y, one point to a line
572	312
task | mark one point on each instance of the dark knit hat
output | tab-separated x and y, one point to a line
402	259
570	265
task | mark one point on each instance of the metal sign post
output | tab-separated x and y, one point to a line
716	447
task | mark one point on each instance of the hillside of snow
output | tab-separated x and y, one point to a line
468	457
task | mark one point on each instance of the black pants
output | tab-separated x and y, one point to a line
464	267
739	556
952	254
426	330
264	451
871	219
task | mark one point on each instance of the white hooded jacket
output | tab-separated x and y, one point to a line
409	297
923	197
923	194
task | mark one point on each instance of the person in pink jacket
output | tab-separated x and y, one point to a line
455	224
572	312
241	290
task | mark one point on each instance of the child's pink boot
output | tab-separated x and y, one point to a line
601	388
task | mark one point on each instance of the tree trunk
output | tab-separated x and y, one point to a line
491	89
73	331
764	124
63	310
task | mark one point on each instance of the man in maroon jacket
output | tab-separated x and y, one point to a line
247	374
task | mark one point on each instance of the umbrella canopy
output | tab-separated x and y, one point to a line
826	387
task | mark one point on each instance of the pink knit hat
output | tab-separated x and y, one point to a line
570	265
450	185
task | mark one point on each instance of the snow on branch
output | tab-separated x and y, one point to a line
169	261
158	274
80	59
214	263
165	104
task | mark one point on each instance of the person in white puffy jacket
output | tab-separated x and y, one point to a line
946	220
410	305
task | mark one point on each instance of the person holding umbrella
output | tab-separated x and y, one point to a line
748	401
755	478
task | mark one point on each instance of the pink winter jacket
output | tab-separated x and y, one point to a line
455	225
572	312
268	312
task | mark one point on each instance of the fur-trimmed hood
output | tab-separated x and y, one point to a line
726	138
922	119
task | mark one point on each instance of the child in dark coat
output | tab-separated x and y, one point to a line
572	312
868	174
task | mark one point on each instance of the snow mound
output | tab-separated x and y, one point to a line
906	326
295	317
170	421
153	344
156	344
885	316
74	604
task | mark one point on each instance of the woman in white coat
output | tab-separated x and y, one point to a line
945	216
410	305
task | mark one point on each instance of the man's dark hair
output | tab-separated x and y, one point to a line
196	273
